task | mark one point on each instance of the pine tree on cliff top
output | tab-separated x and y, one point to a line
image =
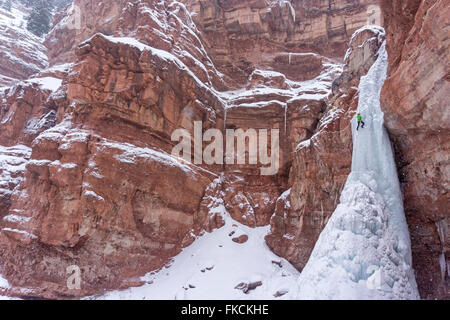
38	22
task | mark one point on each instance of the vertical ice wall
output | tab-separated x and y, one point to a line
364	252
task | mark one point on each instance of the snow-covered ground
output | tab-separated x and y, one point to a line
364	252
213	266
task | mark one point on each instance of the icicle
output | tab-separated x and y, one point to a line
225	110
285	118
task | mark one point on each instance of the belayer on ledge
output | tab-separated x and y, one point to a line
360	122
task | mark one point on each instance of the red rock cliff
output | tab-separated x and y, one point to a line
415	102
96	185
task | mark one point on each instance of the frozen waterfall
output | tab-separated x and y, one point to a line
364	252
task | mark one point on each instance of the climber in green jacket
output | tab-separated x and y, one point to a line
360	122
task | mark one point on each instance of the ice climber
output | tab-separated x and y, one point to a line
360	122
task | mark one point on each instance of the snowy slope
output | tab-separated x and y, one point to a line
21	52
364	251
213	266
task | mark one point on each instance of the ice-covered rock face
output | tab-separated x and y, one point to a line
364	252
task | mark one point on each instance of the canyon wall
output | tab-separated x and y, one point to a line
415	102
98	187
92	180
240	34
